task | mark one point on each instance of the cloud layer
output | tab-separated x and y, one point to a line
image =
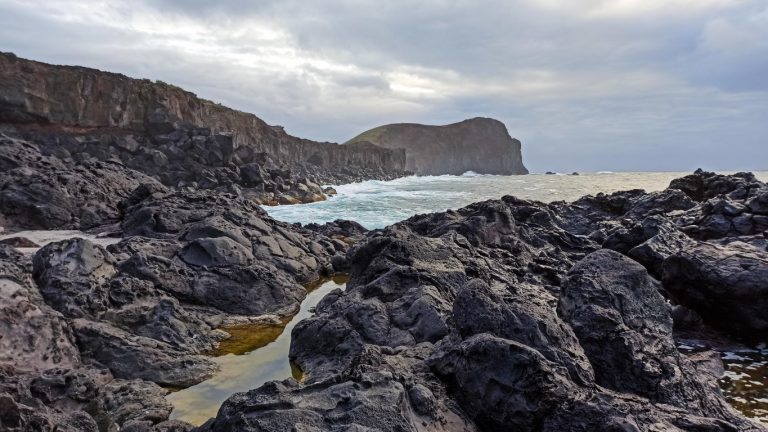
585	84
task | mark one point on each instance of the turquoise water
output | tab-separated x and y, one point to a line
376	204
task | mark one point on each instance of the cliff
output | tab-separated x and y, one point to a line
482	145
78	99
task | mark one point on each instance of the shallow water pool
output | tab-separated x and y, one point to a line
252	356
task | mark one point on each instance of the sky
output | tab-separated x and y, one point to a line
586	85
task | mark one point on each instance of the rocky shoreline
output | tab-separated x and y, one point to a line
78	116
504	314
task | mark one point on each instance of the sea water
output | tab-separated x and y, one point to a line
376	204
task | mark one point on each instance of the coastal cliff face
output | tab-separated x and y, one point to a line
482	145
82	100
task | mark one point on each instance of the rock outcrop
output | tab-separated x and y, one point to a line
504	315
89	334
77	114
482	145
42	191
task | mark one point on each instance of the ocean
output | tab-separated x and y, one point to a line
376	204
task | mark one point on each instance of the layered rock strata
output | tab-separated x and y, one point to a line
80	114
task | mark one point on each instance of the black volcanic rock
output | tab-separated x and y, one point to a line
725	284
145	311
703	185
39	191
506	314
45	381
501	315
34	336
482	145
624	325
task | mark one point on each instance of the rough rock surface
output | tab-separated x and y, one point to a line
100	328
725	284
45	384
504	315
39	191
482	145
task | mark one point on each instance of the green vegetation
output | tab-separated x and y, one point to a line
371	135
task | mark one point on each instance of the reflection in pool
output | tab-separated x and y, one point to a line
253	355
745	383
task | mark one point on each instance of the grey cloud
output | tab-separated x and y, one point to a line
582	91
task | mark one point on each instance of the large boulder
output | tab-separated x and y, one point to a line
725	284
624	325
503	384
72	276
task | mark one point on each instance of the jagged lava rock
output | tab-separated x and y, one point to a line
457	313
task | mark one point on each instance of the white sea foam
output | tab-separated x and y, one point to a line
376	204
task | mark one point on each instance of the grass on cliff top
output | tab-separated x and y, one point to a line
371	135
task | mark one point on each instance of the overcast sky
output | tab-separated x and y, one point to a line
584	84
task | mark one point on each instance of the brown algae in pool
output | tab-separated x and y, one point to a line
297	373
253	355
245	338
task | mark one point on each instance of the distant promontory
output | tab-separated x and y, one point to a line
482	145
